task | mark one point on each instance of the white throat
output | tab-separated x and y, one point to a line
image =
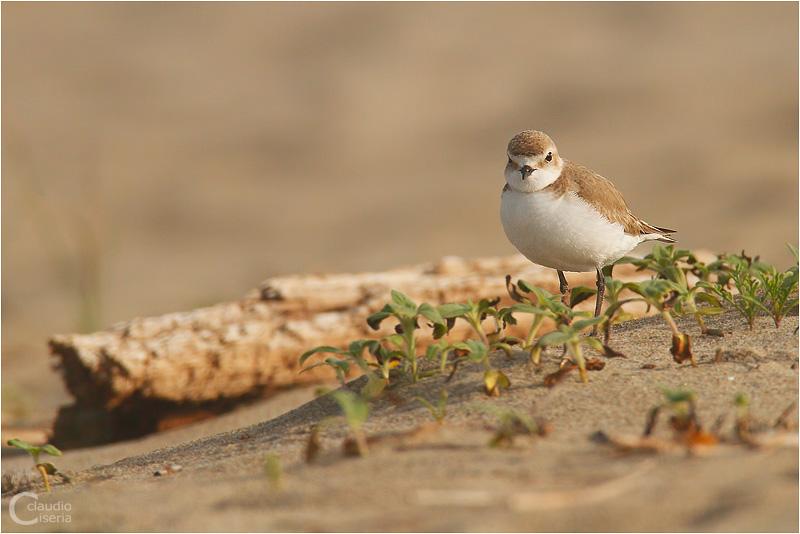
535	181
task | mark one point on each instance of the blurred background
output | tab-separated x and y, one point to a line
158	157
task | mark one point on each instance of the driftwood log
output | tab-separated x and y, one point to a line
152	373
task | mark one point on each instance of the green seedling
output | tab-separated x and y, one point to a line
743	422
339	365
440	410
684	422
673	264
570	335
355	410
474	313
407	313
662	294
45	468
476	351
355	354
274	469
440	351
778	288
746	284
665	261
538	302
511	423
760	286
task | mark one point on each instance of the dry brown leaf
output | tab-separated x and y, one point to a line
682	349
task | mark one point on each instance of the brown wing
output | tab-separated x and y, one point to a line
604	197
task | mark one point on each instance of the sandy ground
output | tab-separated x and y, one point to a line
167	156
449	480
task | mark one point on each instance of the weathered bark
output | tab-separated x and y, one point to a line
237	350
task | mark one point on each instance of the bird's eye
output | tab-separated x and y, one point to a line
509	160
549	156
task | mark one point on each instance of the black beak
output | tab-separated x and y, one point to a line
526	171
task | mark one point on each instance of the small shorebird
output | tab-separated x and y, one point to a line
562	215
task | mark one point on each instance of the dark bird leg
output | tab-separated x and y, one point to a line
601	289
563	287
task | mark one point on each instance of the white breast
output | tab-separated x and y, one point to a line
563	233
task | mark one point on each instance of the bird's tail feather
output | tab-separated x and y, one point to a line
655	233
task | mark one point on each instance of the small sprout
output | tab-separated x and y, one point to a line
313	445
474	313
541	304
671	264
571	336
354	353
682	349
36	451
512	423
356	411
440	410
747	303
743	420
592	364
340	366
407	313
683	421
476	351
580	294
778	288
494	381
760	286
274	469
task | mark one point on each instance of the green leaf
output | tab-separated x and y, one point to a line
595	344
583	324
528	287
356	348
430	313
402	300
794	252
707	298
579	294
677	395
711	311
326	348
433	352
556	337
495	381
340	366
18	443
374	320
621	318
477	350
452	310
528	308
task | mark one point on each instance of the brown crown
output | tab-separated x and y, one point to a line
530	143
